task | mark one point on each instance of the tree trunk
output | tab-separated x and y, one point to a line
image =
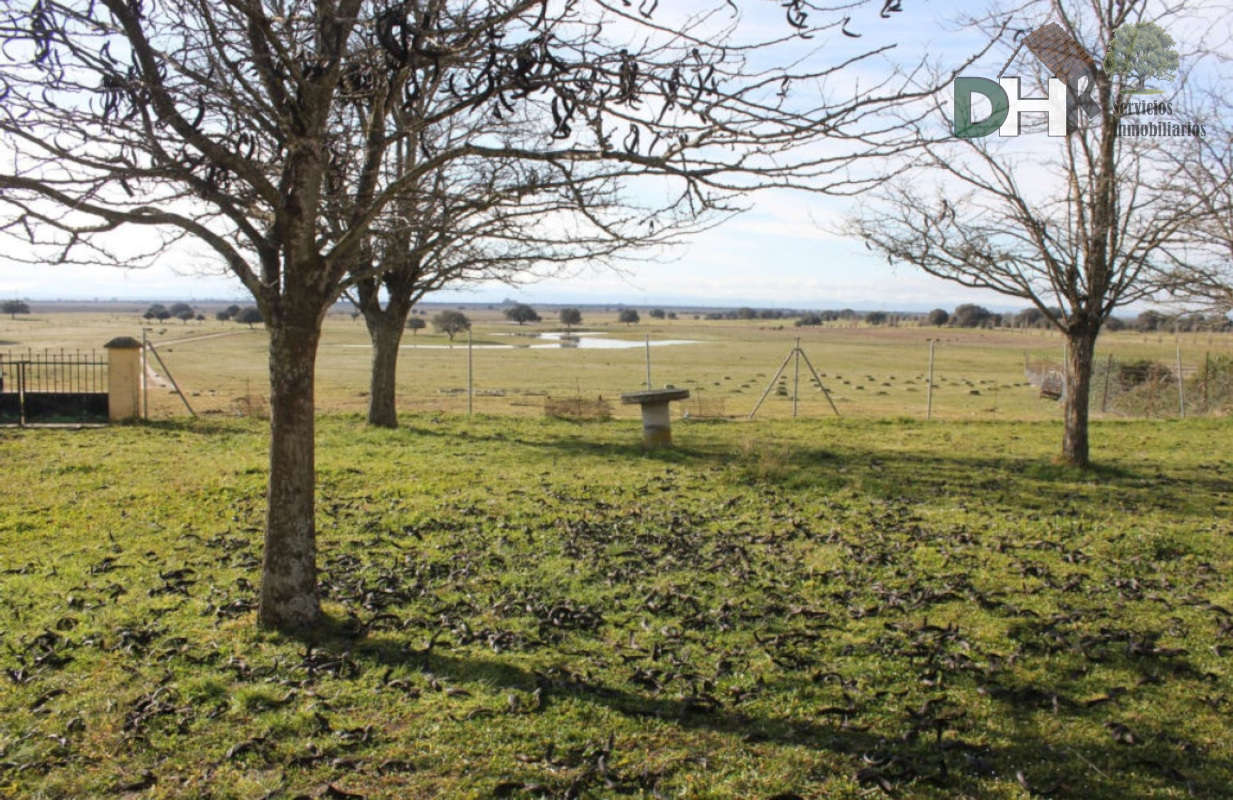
386	333
1080	354
385	330
289	600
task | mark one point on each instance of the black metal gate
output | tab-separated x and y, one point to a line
52	387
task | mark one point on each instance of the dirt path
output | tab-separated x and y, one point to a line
201	338
153	377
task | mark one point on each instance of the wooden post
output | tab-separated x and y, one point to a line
470	376
929	390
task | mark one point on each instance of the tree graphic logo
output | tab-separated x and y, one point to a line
1141	51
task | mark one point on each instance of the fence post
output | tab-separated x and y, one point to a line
1207	377
1181	387
123	379
1104	401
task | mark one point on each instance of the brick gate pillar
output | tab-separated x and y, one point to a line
123	379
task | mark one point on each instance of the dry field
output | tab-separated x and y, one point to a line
871	372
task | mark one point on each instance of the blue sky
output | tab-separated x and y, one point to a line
781	253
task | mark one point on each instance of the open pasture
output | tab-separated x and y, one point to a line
536	608
871	372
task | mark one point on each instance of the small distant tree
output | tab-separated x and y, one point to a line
1142	50
628	316
656	313
222	316
416	324
938	317
570	317
232	311
809	319
876	317
15	307
521	313
1150	321
153	312
249	316
970	315
451	323
179	308
186	316
745	312
671	315
1031	318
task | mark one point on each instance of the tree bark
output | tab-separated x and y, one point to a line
1080	354
289	599
385	330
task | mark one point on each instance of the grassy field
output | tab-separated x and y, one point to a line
533	608
872	372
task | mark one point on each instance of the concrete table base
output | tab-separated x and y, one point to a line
656	417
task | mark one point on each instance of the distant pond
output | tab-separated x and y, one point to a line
589	340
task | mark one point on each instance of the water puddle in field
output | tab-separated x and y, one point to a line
588	340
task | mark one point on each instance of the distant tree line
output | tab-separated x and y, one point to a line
965	315
181	311
974	316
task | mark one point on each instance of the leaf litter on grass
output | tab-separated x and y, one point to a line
855	609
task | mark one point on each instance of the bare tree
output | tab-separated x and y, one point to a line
251	126
1085	224
483	219
1203	269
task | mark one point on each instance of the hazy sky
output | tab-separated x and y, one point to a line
778	254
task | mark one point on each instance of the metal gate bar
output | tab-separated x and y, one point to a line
53	386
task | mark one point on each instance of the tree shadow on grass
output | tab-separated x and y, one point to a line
1014	483
943	753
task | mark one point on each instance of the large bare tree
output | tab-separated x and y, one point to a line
1078	225
1203	269
247	125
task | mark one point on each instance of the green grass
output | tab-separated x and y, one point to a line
524	607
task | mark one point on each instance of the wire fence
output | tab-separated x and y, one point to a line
1144	387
